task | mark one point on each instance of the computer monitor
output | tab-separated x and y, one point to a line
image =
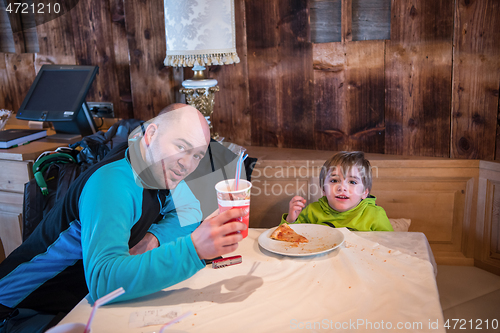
58	95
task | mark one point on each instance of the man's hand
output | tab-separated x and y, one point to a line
295	207
211	239
149	242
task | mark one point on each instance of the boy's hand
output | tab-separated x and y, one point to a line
295	207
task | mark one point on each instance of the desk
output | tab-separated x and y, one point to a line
361	283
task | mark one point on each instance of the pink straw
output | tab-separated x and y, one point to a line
175	320
101	301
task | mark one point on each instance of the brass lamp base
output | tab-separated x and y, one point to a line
200	93
203	100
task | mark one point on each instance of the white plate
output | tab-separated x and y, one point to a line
321	239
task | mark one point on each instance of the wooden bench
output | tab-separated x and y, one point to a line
455	203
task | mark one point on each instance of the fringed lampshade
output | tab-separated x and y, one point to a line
200	33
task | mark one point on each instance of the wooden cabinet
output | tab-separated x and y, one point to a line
16	166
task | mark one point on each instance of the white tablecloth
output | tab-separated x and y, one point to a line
412	243
360	287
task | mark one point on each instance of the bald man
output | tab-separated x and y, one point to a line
129	221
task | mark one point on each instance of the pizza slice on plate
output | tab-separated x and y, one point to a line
286	234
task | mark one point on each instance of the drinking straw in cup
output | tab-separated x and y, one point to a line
237	176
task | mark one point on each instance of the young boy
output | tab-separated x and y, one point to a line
346	181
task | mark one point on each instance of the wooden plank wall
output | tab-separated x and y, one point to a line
151	82
476	73
280	73
431	90
99	33
232	118
418	78
345	80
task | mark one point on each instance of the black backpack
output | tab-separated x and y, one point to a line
55	171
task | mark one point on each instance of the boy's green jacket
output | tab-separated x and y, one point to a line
366	216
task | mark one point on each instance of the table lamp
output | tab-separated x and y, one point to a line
200	33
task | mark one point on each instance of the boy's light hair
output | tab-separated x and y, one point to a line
346	160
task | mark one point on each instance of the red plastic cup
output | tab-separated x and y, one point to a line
228	198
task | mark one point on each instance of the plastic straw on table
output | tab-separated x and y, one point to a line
101	301
238	170
175	320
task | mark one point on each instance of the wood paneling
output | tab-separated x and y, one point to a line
331	132
371	19
43	59
270	198
6	38
495	224
280	73
17	32
296	74
325	20
56	37
487	251
21	73
445	199
349	93
231	117
365	96
476	77
98	50
346	21
417	94
74	39
124	108
6	94
151	82
349	96
263	72
418	78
